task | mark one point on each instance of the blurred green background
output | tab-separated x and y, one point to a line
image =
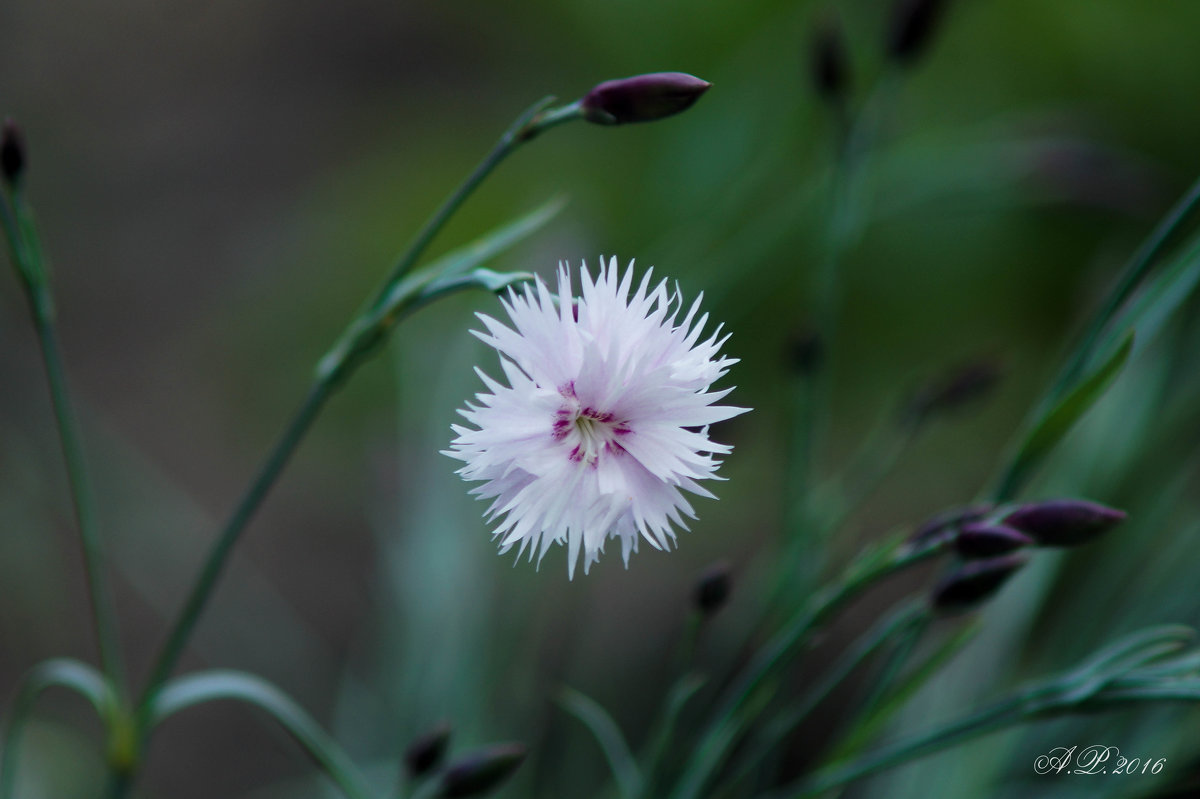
220	185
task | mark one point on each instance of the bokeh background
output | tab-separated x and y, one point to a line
220	184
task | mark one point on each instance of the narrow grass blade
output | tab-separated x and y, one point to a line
211	686
608	735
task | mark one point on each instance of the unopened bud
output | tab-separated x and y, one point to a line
912	27
946	521
642	98
425	753
806	352
830	65
712	588
1064	522
12	153
955	389
975	581
478	772
987	540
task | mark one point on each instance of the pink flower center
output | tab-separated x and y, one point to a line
586	433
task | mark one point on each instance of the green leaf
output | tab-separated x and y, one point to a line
683	690
1051	428
463	259
210	686
477	278
866	730
62	672
442	276
1159	300
608	735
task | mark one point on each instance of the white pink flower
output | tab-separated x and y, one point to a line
604	422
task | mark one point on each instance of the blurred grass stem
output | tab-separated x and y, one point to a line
26	253
848	207
721	732
1139	266
900	622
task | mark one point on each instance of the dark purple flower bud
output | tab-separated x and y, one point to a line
425	753
830	64
1064	522
806	352
975	581
912	27
12	153
954	389
478	772
988	540
642	98
946	521
712	588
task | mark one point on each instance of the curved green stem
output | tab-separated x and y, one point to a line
211	686
62	672
26	254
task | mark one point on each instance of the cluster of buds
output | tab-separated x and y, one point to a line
991	542
473	774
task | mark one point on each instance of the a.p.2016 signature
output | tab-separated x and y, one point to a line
1096	759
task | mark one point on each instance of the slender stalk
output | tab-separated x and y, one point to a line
181	631
103	615
1140	264
902	619
26	255
848	204
536	119
1135	271
778	651
990	719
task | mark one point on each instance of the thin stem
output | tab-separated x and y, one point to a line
848	205
902	619
990	719
536	119
896	661
103	615
171	651
1135	271
778	651
26	254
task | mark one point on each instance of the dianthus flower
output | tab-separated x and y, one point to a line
604	422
